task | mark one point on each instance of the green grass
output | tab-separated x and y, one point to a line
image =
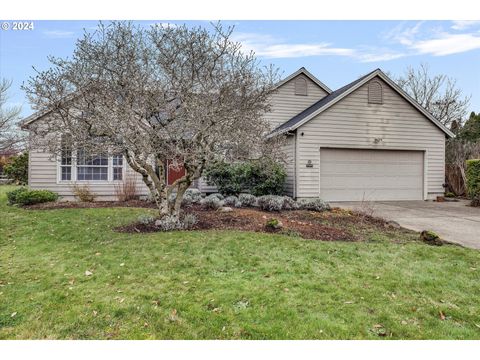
223	285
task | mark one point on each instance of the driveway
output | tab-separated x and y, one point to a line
452	221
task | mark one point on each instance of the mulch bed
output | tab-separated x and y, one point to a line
329	226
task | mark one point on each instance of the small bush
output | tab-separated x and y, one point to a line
289	203
449	194
192	196
238	204
473	178
230	200
83	193
218	196
270	202
247	200
212	202
31	197
273	224
146	219
126	190
475	201
12	195
17	169
172	222
313	204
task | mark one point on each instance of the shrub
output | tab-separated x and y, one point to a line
211	202
473	178
247	200
289	203
270	202
313	204
83	193
12	195
192	196
230	200
17	169
475	201
260	177
172	222
218	196
127	189
146	219
265	177
226	177
273	224
449	194
31	197
238	204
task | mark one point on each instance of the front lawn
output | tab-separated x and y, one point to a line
224	284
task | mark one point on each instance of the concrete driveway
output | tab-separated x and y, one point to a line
452	221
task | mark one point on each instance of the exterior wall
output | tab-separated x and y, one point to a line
289	150
285	104
43	174
354	123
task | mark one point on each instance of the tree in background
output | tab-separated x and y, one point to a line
471	129
10	136
178	95
17	169
438	94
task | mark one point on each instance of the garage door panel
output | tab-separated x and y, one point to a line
356	175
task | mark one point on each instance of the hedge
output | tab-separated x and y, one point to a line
24	196
473	178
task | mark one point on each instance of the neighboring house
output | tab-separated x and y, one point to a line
365	141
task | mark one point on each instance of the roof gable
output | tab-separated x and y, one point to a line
305	72
344	91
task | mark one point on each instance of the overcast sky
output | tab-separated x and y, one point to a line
336	52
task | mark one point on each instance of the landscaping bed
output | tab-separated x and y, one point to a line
334	225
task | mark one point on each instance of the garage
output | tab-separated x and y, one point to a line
367	175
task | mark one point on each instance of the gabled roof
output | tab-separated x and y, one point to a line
305	72
339	94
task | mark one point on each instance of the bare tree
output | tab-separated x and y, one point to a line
438	94
164	94
9	116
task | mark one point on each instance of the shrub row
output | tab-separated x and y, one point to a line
23	196
473	181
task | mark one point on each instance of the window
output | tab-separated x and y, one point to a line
91	167
117	165
301	86
66	160
375	92
80	165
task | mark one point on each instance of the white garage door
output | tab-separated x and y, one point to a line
356	175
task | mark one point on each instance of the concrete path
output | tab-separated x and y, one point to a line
452	221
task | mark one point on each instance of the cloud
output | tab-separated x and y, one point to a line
447	44
59	34
435	41
269	47
464	24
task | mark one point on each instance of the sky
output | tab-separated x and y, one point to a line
336	52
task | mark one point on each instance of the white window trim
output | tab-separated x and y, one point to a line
74	180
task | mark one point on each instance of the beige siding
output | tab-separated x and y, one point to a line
289	151
354	123
285	104
43	175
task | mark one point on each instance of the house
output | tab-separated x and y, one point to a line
367	140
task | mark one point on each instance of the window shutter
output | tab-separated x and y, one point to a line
301	86
375	92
